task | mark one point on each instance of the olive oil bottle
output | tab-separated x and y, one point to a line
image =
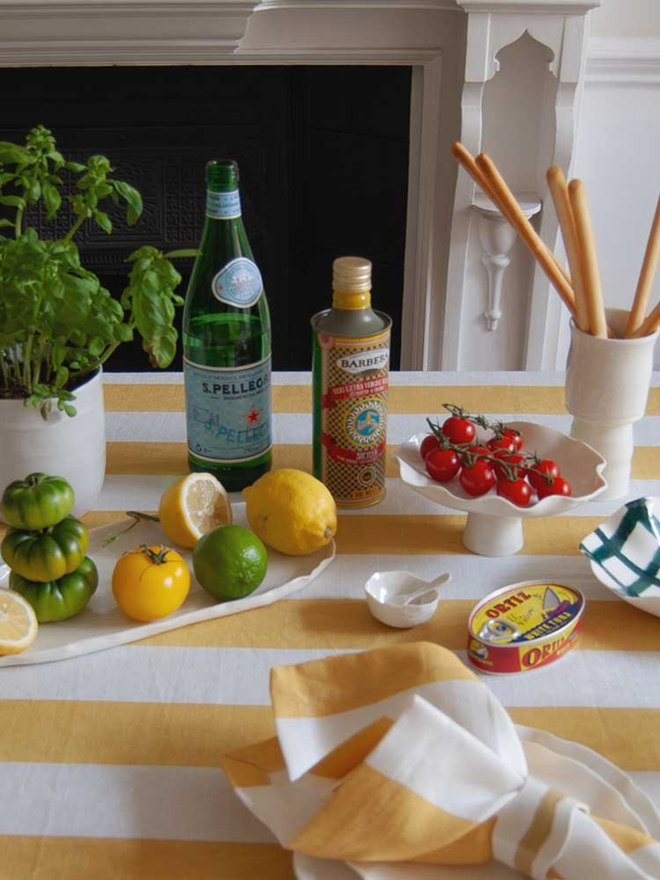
227	344
351	355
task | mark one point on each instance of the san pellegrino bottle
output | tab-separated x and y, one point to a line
227	344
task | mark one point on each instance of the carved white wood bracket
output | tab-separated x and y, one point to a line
497	238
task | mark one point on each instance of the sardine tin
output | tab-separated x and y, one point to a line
524	626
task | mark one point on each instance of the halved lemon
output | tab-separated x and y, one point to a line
18	623
193	506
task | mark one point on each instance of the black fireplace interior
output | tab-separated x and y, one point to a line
323	156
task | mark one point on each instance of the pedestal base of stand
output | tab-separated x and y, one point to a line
615	443
493	535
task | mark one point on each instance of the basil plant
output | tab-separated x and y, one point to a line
58	324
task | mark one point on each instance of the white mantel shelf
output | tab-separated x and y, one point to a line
452	47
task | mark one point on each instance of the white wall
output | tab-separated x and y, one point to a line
619	140
626	18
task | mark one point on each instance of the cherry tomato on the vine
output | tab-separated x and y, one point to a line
547	467
517	491
478	450
559	486
429	443
459	430
478	479
512	461
515	436
442	464
506	443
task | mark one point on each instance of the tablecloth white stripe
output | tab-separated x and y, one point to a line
397	377
239	676
296	428
142	802
142	492
130	802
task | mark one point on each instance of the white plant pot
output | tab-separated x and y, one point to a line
72	447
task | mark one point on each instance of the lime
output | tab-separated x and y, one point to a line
230	562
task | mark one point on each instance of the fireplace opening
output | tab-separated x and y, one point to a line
323	156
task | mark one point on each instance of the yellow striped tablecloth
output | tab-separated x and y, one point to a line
110	761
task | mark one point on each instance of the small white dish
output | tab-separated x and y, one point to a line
401	599
624	553
494	524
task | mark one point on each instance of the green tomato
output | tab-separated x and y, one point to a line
57	600
47	555
37	502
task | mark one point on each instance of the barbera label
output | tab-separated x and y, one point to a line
353	379
238	283
525	626
223	205
228	411
360	363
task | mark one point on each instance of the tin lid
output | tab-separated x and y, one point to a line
525	613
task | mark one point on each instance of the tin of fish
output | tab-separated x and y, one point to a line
524	626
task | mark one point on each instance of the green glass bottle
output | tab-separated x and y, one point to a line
226	344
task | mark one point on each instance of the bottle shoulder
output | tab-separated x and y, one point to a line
351	323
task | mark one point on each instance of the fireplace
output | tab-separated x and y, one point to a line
323	154
451	50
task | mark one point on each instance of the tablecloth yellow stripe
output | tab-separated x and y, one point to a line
425	399
125	457
79	858
91	732
347	623
364	534
627	737
191	735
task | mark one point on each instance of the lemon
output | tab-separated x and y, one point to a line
230	562
18	623
291	511
193	506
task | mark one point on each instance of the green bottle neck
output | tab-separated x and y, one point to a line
223	205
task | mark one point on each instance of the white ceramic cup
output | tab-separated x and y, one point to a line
607	386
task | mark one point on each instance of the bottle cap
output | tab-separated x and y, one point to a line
351	275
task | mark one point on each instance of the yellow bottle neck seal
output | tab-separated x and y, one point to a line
351	299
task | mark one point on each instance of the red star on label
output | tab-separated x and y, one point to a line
252	417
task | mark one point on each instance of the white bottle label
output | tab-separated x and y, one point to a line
228	411
223	205
238	283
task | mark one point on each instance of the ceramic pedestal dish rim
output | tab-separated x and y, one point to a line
494	505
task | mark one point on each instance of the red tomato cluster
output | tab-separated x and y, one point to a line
500	463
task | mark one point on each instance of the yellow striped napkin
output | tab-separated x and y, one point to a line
401	755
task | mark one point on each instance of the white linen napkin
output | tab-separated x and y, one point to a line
400	757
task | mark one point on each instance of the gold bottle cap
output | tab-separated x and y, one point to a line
351	283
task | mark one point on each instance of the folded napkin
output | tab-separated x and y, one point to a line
400	758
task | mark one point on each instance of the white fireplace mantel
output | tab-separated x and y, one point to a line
452	46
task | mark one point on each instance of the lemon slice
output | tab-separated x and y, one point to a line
18	623
193	506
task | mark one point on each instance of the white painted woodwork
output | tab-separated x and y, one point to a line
456	48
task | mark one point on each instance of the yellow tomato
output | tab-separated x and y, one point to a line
150	582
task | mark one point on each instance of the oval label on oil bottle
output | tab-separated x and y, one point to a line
238	283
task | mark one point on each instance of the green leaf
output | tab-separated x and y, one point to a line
12	201
145	252
33	191
133	199
162	348
96	346
103	221
75	167
62	377
123	333
13	154
168	273
5	222
34	401
70	410
182	252
52	199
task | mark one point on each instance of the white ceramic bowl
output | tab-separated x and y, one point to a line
494	526
388	592
621	568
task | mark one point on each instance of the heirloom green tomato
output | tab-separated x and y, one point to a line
47	555
60	599
37	502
